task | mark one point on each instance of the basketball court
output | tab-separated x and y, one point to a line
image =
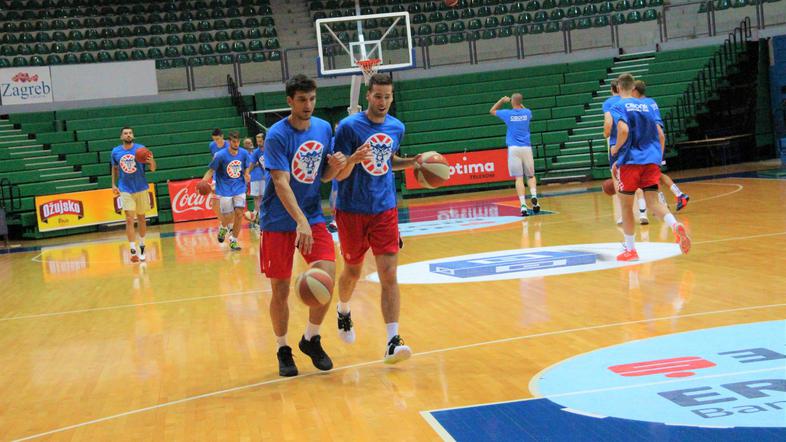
182	348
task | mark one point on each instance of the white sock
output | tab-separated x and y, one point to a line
343	307
642	205
232	237
281	341
230	226
392	328
132	245
141	241
630	242
670	220
311	330
533	193
675	190
523	200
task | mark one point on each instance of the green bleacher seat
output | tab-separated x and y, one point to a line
475	23
650	14
424	29
489	34
189	51
205	37
524	18
91	45
622	5
272	43
256	45
639	4
4	63
154	53
9	39
19	62
239	46
171	52
70	59
500	10
24	50
467	14
573	12
457	26
138	54
452	15
552	26
537	28
37	60
655	3
7	51
606	7
549	4
557	14
205	49
58	48
541	17
274	56
435	17
633	17
258	57
491	22
721	5
119	56
243	58
600	21
86	57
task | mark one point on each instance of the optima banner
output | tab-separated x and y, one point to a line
79	209
25	85
483	166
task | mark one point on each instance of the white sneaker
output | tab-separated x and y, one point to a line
643	220
397	351
346	331
619	221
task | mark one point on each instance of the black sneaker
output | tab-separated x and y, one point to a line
286	363
524	210
535	205
313	348
397	351
400	243
142	253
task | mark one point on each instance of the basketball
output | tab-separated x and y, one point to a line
432	170
204	188
451	3
314	287
608	187
142	154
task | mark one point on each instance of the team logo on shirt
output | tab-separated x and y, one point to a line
234	169
382	148
306	161
128	163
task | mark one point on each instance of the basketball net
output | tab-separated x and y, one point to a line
369	67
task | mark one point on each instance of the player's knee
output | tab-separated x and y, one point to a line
352	271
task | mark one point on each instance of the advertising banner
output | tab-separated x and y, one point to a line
484	166
79	209
187	203
25	85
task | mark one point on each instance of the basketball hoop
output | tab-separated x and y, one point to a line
369	67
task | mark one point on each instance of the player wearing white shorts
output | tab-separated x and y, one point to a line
231	169
520	160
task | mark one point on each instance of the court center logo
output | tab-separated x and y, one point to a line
382	149
128	163
305	163
527	263
234	169
730	376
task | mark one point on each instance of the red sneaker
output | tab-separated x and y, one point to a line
628	255
682	238
682	201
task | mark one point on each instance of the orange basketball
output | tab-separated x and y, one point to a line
432	170
314	287
142	155
204	188
608	187
451	3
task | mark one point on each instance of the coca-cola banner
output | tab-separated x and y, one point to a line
484	166
187	203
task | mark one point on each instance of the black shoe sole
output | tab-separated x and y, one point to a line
287	374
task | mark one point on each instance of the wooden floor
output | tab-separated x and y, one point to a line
95	348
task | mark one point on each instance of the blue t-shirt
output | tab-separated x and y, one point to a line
607	105
643	143
370	188
214	147
258	173
131	176
654	106
228	171
303	154
517	121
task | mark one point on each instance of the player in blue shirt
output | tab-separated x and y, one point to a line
298	158
258	173
366	211
639	149
640	91
332	226
520	161
610	132
216	145
230	169
132	187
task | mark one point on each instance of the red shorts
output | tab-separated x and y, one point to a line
359	231
638	176
277	250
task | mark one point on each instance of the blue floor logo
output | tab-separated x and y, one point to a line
527	263
731	376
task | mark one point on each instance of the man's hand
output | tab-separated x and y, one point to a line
505	99
115	190
303	237
337	160
363	153
247	176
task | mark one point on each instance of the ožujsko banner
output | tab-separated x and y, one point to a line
79	209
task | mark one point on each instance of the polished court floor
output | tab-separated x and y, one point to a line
93	347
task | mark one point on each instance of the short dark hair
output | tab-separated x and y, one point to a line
380	79
641	87
124	128
625	82
260	134
234	135
614	87
300	83
218	133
